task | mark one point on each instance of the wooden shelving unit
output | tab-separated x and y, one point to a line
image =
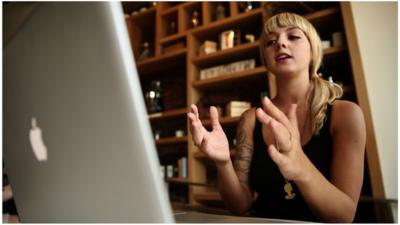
208	196
334	50
172	38
168	114
230	78
171	140
184	64
144	15
223	55
247	17
160	62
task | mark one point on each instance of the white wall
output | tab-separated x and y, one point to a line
376	28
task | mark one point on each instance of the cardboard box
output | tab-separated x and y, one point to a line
226	39
233	112
239	104
208	47
236	108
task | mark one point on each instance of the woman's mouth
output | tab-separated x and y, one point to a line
282	57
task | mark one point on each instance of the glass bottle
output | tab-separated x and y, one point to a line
195	19
219	12
154	98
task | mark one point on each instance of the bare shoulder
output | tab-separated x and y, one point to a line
346	115
244	132
346	110
248	117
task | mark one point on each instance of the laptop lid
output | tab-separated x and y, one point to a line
77	144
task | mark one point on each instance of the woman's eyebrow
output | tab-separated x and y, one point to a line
287	29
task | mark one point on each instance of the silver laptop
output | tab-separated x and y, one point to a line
77	143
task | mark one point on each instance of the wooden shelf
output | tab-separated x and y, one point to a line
168	114
223	120
171	10
220	55
144	15
171	140
228	22
208	196
324	18
173	37
313	17
334	50
161	62
189	4
256	73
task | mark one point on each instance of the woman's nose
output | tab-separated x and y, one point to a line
281	43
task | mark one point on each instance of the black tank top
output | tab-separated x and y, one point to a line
268	182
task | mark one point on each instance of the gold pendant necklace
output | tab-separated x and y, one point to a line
289	190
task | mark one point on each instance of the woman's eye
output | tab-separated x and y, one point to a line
271	42
293	37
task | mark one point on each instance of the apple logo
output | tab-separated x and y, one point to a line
37	144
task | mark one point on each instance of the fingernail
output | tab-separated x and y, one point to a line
259	109
266	99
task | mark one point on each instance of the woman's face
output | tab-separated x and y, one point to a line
287	50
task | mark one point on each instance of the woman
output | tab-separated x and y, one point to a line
301	155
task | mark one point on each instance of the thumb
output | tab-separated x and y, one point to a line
214	118
292	115
276	156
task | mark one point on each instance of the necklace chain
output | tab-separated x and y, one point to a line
288	188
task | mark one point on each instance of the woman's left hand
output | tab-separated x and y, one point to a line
287	152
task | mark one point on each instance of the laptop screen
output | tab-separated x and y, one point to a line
77	142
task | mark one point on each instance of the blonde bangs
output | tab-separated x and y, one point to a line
286	20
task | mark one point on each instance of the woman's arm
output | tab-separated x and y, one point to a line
233	185
333	200
336	200
233	180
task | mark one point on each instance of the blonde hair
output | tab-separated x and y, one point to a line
322	92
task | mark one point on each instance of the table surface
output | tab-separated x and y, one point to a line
199	217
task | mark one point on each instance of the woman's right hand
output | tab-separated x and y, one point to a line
213	143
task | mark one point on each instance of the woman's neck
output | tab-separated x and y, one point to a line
292	90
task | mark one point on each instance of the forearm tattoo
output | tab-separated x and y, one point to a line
244	154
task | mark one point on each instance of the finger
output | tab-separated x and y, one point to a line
214	117
195	110
195	123
282	136
276	156
274	111
192	117
196	128
263	117
293	116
